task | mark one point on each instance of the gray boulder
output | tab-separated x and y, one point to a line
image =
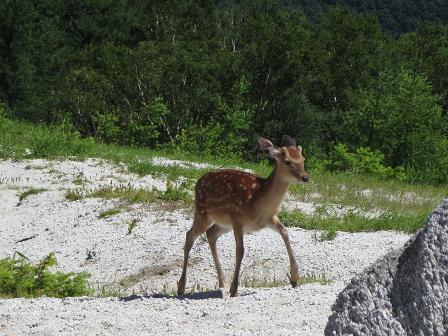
404	293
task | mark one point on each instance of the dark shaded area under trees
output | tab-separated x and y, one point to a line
209	76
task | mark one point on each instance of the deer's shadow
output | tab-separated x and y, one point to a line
214	294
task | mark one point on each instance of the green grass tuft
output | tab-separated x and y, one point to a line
327	235
29	192
73	195
20	278
173	193
129	194
132	225
109	213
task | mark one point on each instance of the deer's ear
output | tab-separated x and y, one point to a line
299	148
288	141
268	148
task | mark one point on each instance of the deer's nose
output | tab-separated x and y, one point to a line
305	178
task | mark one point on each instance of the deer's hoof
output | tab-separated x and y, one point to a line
293	280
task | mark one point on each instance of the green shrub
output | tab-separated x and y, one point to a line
20	278
363	161
107	127
228	132
176	193
205	138
143	128
20	139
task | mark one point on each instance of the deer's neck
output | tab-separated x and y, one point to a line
275	188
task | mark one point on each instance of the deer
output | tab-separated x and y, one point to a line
230	199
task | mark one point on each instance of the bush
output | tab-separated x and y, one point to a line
363	161
20	278
400	115
20	139
228	133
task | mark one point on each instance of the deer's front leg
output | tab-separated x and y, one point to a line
239	241
280	228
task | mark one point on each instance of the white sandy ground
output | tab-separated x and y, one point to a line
148	262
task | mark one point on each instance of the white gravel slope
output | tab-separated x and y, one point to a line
149	261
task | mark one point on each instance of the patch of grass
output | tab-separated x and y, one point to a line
327	235
126	193
132	225
79	179
73	195
110	213
369	193
20	139
252	282
177	193
20	278
273	282
110	289
132	195
29	192
352	222
313	279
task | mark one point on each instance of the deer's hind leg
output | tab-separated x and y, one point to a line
201	223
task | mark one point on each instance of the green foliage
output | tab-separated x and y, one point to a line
401	116
203	138
143	127
363	161
228	132
107	127
25	140
176	193
20	278
327	235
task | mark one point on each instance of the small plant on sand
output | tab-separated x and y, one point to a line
110	213
20	278
73	195
132	225
252	282
176	193
326	235
110	289
79	179
29	192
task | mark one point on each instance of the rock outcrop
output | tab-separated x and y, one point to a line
404	293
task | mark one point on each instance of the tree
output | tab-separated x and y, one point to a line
399	116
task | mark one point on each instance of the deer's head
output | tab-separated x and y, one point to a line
290	161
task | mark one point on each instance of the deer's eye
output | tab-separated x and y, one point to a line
288	163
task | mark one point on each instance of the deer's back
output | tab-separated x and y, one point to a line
226	190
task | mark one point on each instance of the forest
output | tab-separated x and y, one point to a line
361	85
